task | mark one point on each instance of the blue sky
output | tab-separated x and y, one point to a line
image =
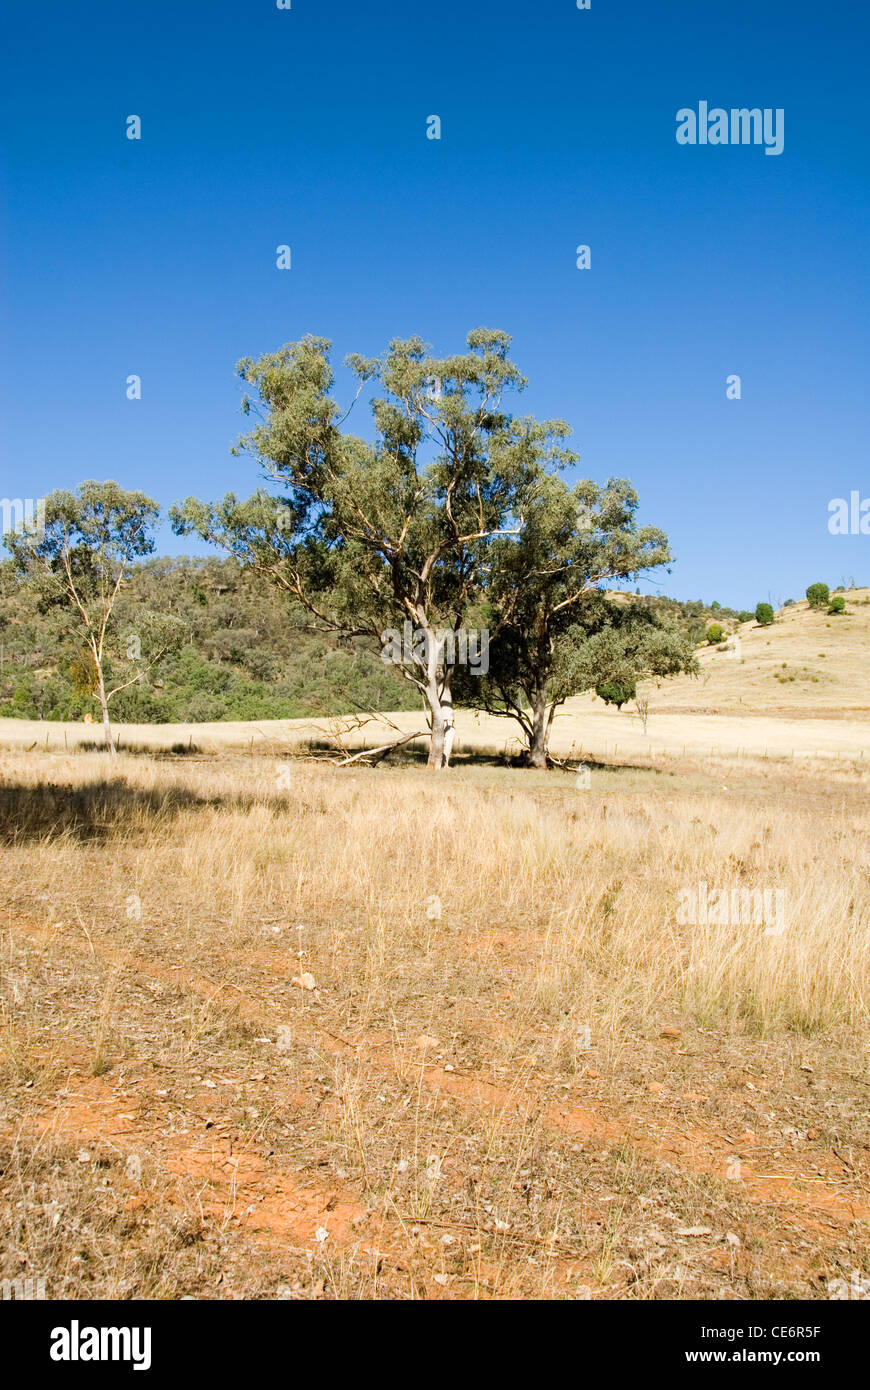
262	127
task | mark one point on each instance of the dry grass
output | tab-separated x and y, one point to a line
476	1097
808	663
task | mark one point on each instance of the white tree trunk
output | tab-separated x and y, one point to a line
104	706
440	707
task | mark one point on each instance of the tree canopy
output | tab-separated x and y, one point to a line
369	534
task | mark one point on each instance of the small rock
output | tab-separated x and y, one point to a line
655	1087
133	1168
695	1231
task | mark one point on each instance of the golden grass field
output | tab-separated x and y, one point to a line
273	1027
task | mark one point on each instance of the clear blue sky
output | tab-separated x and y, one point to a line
307	127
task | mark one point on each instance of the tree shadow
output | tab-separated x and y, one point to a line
594	765
402	755
177	750
95	811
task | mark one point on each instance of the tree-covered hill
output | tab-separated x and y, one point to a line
246	654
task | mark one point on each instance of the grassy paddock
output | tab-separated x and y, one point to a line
459	1005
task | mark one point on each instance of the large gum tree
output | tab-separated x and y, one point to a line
370	533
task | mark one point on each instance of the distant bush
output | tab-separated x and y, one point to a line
763	614
818	595
838	604
715	634
744	616
616	692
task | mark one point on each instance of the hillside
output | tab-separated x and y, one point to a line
809	664
247	654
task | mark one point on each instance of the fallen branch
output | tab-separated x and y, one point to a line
384	749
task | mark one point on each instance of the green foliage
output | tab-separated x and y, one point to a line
837	604
367	535
715	633
75	567
553	631
764	614
243	656
818	595
616	692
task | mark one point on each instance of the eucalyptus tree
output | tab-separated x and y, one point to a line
554	633
77	563
372	534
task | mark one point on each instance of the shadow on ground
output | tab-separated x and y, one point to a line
105	809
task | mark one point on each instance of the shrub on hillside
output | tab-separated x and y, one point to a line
714	634
763	614
818	595
837	604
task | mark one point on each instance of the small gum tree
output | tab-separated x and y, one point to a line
76	566
371	535
553	633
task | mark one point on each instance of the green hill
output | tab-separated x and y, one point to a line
247	654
